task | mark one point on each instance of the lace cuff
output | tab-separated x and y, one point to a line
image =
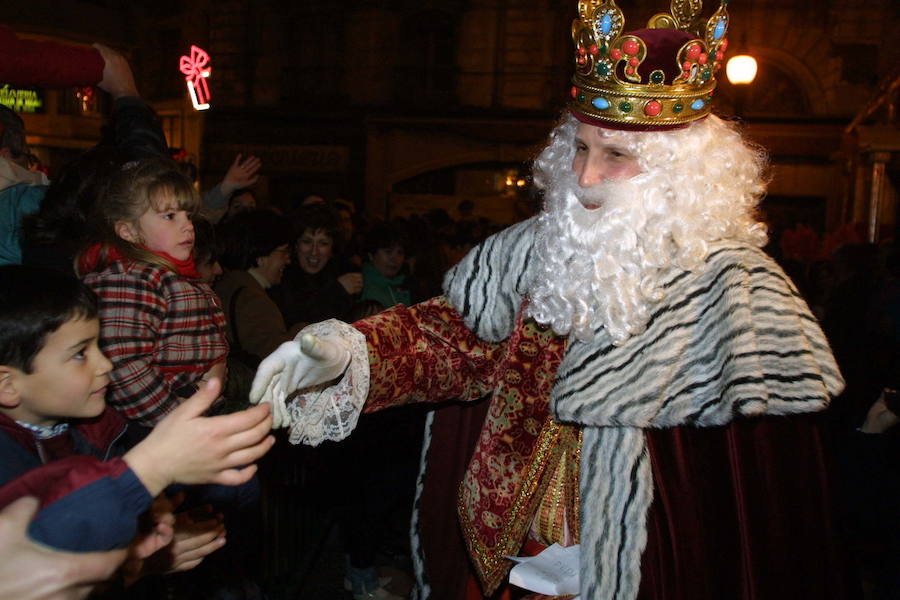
330	411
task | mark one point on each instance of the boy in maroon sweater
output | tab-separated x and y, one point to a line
61	443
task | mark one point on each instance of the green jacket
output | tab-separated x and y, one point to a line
387	291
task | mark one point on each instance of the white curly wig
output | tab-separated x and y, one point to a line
603	267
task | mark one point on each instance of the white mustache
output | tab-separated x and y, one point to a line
611	190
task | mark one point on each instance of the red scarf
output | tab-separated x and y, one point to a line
91	257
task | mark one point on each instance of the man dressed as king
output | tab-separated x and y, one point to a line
636	343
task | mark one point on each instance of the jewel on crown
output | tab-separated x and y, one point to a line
656	78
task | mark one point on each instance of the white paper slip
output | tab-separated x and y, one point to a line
553	572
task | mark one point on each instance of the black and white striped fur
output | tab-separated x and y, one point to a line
422	589
488	285
731	339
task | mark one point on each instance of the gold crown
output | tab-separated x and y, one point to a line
658	78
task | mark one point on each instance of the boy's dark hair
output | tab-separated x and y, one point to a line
251	235
386	235
35	302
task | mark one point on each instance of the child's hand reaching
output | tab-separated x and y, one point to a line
217	371
156	531
196	537
186	447
189	538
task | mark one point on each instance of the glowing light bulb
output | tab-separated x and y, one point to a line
741	69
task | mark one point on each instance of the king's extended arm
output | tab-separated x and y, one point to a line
423	353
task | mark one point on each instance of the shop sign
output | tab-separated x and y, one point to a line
22	100
196	70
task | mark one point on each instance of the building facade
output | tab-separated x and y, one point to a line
403	105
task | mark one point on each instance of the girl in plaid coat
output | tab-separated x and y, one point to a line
161	325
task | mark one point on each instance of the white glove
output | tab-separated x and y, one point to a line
296	366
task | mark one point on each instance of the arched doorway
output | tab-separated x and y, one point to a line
498	191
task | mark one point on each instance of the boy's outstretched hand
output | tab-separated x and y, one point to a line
186	447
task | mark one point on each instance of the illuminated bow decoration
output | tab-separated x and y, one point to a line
196	70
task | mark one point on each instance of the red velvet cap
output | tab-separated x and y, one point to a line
662	52
652	79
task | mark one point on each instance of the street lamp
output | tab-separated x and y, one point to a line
741	71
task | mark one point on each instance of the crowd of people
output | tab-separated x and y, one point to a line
641	355
853	288
134	313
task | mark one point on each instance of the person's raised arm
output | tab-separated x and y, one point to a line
243	173
135	125
46	64
118	80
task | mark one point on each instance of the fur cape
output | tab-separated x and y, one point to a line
729	340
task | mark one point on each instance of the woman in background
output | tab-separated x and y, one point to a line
316	286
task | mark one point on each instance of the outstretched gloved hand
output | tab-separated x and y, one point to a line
295	366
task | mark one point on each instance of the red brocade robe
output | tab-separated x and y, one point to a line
741	511
740	506
520	445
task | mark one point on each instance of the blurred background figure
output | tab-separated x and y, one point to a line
317	285
385	279
207	250
240	202
256	250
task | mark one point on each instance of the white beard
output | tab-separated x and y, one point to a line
592	269
602	268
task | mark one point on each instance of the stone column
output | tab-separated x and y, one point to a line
876	192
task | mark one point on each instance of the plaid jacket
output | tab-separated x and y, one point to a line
161	331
